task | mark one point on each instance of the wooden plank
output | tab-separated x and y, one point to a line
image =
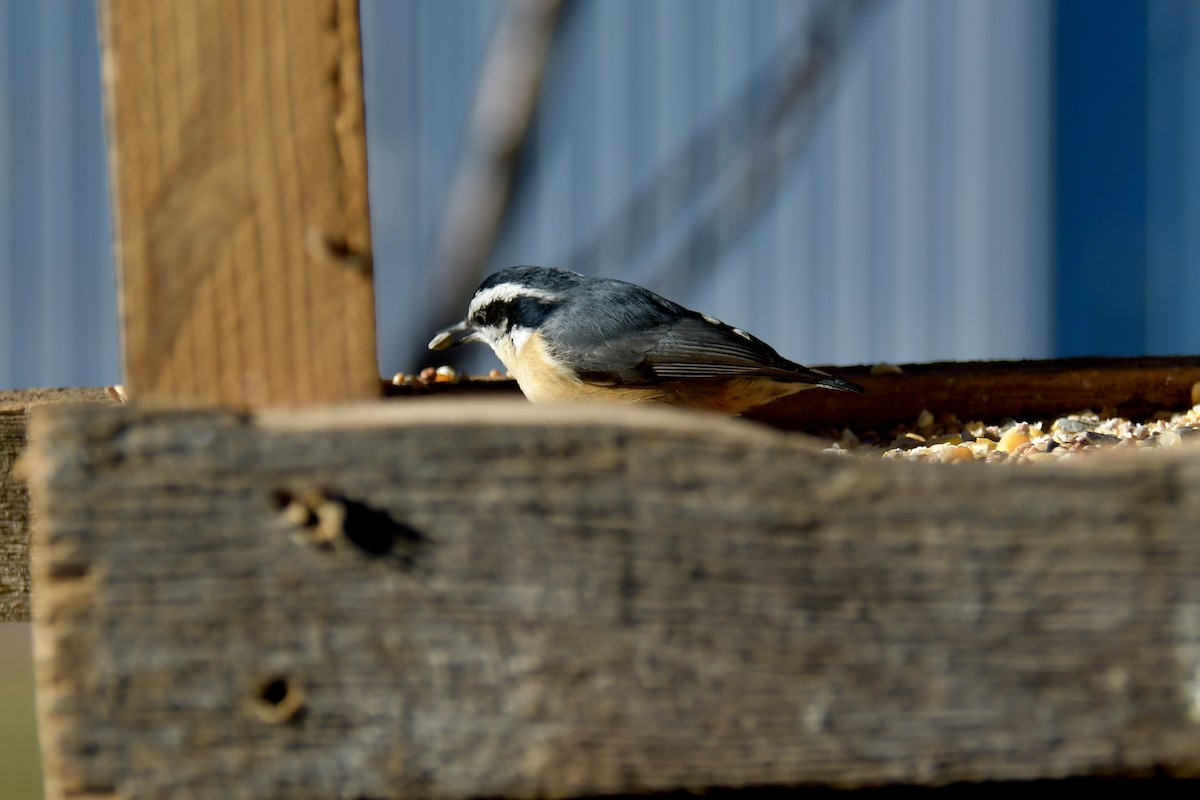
1135	388
973	390
238	156
483	599
14	499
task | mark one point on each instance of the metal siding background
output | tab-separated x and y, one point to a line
1101	159
422	58
915	223
57	298
913	226
1173	178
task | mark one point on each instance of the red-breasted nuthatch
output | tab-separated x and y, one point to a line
565	336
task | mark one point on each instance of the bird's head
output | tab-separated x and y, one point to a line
508	307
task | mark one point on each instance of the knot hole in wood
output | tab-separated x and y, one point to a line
335	249
328	520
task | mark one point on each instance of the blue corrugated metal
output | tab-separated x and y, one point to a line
1173	178
57	301
914	223
1101	160
422	59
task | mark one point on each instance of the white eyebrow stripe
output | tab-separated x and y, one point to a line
507	292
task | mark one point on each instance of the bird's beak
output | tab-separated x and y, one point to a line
459	333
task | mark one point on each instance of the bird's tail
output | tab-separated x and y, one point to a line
837	384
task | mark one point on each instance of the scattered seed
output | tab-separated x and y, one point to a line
1169	439
953	455
1101	438
981	447
1070	425
946	438
1015	436
908	441
892	369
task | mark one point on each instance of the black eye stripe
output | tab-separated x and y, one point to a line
527	312
489	315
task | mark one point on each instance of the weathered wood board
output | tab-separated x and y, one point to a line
238	157
993	390
14	499
454	599
986	390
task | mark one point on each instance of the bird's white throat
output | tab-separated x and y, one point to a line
507	345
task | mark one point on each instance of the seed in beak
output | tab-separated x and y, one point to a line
442	340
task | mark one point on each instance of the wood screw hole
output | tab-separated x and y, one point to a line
277	701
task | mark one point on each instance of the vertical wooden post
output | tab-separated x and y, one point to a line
238	160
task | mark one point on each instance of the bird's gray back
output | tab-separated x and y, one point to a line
617	332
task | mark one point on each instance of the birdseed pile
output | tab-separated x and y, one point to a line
947	439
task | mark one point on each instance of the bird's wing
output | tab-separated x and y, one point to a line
698	348
673	343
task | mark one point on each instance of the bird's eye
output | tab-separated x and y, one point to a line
488	316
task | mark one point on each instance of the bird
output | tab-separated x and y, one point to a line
566	337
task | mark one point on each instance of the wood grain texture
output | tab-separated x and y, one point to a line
993	390
973	390
238	158
14	499
455	599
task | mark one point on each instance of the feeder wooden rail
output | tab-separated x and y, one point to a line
989	391
457	599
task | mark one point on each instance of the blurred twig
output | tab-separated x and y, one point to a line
505	101
758	167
